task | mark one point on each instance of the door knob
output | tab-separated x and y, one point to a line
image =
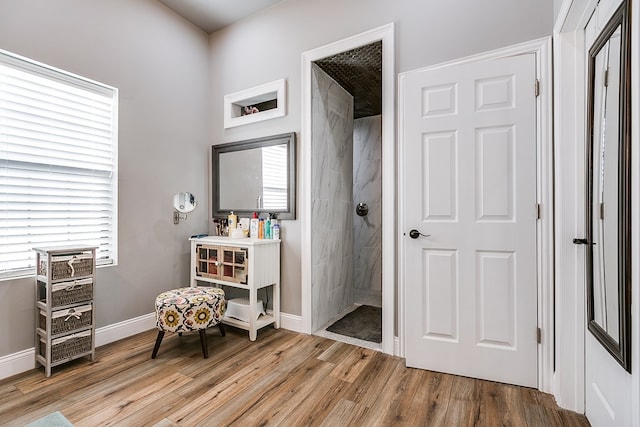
414	234
362	209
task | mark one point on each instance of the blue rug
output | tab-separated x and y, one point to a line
52	420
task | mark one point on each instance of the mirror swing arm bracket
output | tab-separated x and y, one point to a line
177	216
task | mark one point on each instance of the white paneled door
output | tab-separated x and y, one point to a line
470	188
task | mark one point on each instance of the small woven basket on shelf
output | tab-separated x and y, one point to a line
74	267
67	320
67	348
72	293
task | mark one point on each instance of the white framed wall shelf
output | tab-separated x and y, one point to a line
255	104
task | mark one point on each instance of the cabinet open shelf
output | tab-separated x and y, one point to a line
261	322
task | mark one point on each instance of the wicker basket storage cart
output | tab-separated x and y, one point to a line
65	311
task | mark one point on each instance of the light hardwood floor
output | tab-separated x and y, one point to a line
283	378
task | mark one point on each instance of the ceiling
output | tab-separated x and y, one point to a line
212	15
359	71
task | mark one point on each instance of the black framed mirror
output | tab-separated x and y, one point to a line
608	209
255	175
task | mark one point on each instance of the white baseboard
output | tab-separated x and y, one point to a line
291	322
16	363
24	360
124	329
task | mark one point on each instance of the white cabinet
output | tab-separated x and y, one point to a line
248	264
65	315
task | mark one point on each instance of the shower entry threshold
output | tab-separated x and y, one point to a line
322	332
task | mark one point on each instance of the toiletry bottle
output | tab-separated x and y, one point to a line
273	222
253	227
267	228
233	221
244	224
276	231
261	229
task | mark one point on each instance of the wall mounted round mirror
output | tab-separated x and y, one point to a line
184	202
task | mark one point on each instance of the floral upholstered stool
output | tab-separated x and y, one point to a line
189	309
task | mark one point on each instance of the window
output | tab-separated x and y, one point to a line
274	177
58	163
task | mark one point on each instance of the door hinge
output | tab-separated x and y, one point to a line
539	335
606	77
538	211
537	87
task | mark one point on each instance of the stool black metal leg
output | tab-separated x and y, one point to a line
203	341
221	327
157	346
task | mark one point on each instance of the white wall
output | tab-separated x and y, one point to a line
160	63
268	46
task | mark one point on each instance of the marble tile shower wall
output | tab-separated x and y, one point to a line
332	198
367	188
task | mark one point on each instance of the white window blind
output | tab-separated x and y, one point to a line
274	177
58	169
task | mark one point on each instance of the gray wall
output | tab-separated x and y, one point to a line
332	198
268	46
367	231
161	64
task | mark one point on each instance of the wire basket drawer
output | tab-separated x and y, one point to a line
67	320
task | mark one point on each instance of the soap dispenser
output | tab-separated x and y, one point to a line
233	221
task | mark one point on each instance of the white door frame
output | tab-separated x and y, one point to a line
386	35
541	48
570	116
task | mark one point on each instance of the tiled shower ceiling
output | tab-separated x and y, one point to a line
359	71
